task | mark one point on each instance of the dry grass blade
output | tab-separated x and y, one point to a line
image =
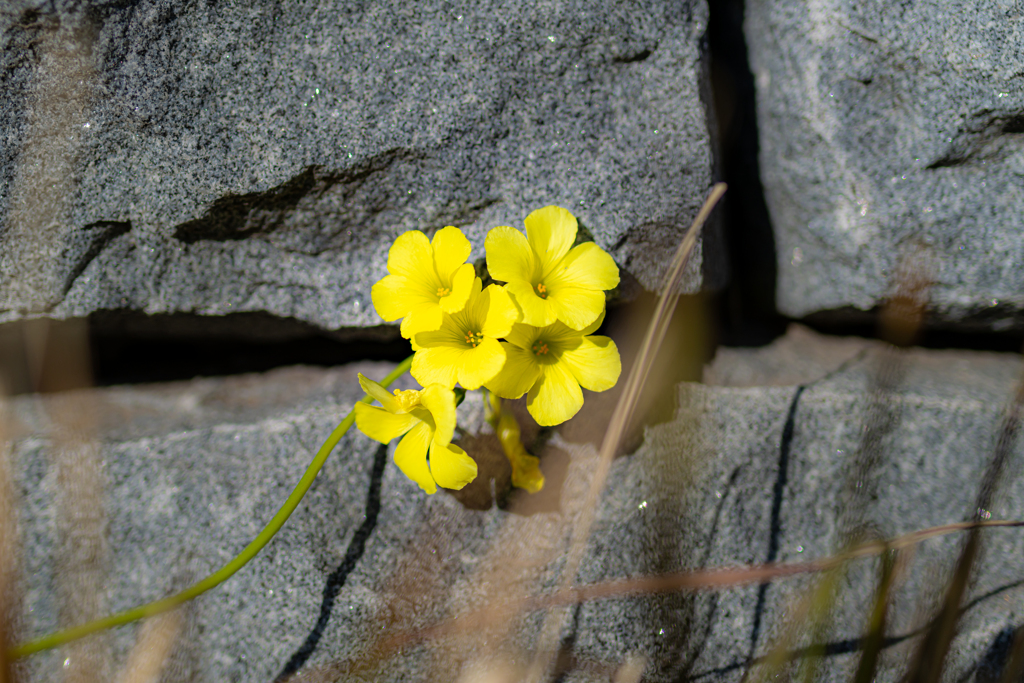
930	658
809	614
722	578
39	217
147	658
618	424
875	639
82	555
631	670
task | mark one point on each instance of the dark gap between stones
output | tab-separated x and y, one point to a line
863	324
747	313
132	348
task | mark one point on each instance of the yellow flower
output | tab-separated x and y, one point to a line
424	280
427	418
466	348
548	280
551	363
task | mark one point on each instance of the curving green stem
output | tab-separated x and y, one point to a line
224	573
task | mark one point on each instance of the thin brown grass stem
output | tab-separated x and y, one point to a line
930	658
721	578
618	424
154	644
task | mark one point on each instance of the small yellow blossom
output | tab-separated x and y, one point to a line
466	348
551	363
547	277
427	418
425	279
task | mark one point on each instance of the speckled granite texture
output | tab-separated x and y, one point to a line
884	125
750	470
214	158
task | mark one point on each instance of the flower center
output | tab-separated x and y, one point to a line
539	348
541	290
474	338
407	398
443	291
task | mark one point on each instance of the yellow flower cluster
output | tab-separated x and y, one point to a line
532	334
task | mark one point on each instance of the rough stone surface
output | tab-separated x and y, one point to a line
742	475
220	158
884	125
191	471
754	494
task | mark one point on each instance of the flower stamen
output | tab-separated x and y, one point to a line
541	290
474	338
407	399
443	292
539	348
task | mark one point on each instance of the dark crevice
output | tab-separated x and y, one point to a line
856	323
565	661
133	348
126	347
236	217
748	316
336	580
85	245
637	57
231	217
775	521
701	641
983	140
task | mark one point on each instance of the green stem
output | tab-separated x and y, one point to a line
224	573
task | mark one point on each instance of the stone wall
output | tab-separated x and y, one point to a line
208	158
885	126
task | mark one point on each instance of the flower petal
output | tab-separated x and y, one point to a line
586	265
461	287
411	257
449	334
422	318
556	397
437	364
592	327
451	249
378	392
451	466
594	363
523	335
550	231
495	309
576	307
380	425
520	373
509	256
536	311
561	334
411	456
481	364
440	401
390	296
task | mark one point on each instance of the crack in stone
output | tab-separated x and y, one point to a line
337	578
